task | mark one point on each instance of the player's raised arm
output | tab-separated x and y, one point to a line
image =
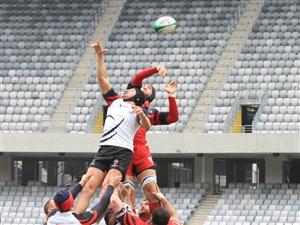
163	118
169	207
137	79
101	72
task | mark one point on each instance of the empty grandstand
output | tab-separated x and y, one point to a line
24	204
232	158
266	73
190	54
264	204
41	43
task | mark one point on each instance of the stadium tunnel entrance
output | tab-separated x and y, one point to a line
238	170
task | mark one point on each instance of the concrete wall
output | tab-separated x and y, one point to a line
159	143
274	169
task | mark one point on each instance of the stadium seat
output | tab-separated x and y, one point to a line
190	53
266	65
29	207
36	72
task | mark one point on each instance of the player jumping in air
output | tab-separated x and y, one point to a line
124	117
142	165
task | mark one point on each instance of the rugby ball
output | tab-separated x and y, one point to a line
164	25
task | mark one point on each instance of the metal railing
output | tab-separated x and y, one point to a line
263	103
253	129
232	112
94	114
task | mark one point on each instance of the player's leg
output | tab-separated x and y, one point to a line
118	167
127	192
89	189
111	173
147	179
146	175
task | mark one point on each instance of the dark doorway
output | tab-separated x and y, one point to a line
248	114
293	168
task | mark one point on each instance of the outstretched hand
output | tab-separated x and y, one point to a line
161	70
123	192
98	48
171	88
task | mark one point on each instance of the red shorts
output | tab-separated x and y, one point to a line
141	160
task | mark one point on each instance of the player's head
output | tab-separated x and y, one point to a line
160	216
49	206
149	92
144	208
63	200
135	95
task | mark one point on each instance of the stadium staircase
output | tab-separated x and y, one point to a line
200	215
226	62
64	109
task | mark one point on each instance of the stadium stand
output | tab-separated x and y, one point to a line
267	70
190	54
24	204
41	43
273	204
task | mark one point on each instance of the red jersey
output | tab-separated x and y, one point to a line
155	117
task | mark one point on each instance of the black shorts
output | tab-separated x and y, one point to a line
112	157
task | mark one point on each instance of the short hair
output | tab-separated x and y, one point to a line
46	206
160	216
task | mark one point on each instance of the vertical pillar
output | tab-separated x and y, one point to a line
5	167
52	173
198	169
274	169
208	172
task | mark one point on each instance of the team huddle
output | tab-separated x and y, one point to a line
123	157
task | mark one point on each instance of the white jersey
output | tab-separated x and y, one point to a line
120	126
63	218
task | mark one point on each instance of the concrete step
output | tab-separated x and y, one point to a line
226	61
77	82
200	215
